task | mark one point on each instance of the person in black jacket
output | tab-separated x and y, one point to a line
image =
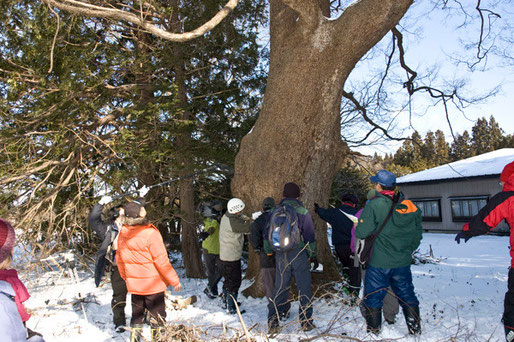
341	237
108	231
267	262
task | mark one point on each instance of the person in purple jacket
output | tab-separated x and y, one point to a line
294	262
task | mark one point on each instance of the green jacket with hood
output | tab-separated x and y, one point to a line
401	235
212	242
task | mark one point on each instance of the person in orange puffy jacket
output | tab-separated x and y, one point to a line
144	264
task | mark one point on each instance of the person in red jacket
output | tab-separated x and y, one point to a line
500	207
144	264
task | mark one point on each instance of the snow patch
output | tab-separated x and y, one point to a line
460	298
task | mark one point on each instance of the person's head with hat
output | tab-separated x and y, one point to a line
383	180
135	209
7	240
291	190
268	203
349	199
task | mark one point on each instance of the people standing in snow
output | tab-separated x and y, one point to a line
500	207
342	227
392	252
144	264
293	262
108	231
234	225
211	247
266	261
13	293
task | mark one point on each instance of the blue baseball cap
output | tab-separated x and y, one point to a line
384	178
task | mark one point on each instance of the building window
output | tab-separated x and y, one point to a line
430	208
464	208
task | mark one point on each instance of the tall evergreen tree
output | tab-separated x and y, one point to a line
442	149
108	114
485	135
461	147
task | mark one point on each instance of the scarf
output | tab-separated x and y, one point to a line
21	293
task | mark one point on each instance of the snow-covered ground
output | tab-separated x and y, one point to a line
461	298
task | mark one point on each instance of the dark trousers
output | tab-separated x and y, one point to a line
292	263
508	311
119	297
213	273
268	280
350	272
378	280
153	303
268	275
231	271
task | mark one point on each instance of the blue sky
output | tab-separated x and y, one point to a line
436	39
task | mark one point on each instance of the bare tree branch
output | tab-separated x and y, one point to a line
481	52
409	84
89	10
364	114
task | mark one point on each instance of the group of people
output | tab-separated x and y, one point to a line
139	263
388	279
283	235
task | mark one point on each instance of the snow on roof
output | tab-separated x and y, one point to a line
491	163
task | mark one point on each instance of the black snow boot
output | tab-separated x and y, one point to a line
373	318
509	334
412	319
231	303
210	293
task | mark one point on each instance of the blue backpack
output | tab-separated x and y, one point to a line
283	228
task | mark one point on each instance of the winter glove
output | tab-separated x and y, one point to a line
143	191
316	207
204	235
462	235
104	200
256	215
314	263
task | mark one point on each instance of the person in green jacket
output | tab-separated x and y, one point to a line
211	248
392	252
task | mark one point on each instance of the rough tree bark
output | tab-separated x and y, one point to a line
297	135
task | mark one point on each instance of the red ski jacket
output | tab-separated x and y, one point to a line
499	207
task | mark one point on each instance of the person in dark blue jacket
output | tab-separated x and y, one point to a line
341	237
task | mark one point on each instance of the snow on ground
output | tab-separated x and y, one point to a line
461	297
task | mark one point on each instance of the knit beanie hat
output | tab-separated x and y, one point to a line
508	170
268	203
7	238
132	209
291	190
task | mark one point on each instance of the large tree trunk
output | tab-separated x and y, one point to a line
191	253
297	135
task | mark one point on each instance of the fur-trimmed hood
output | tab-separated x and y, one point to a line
138	221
